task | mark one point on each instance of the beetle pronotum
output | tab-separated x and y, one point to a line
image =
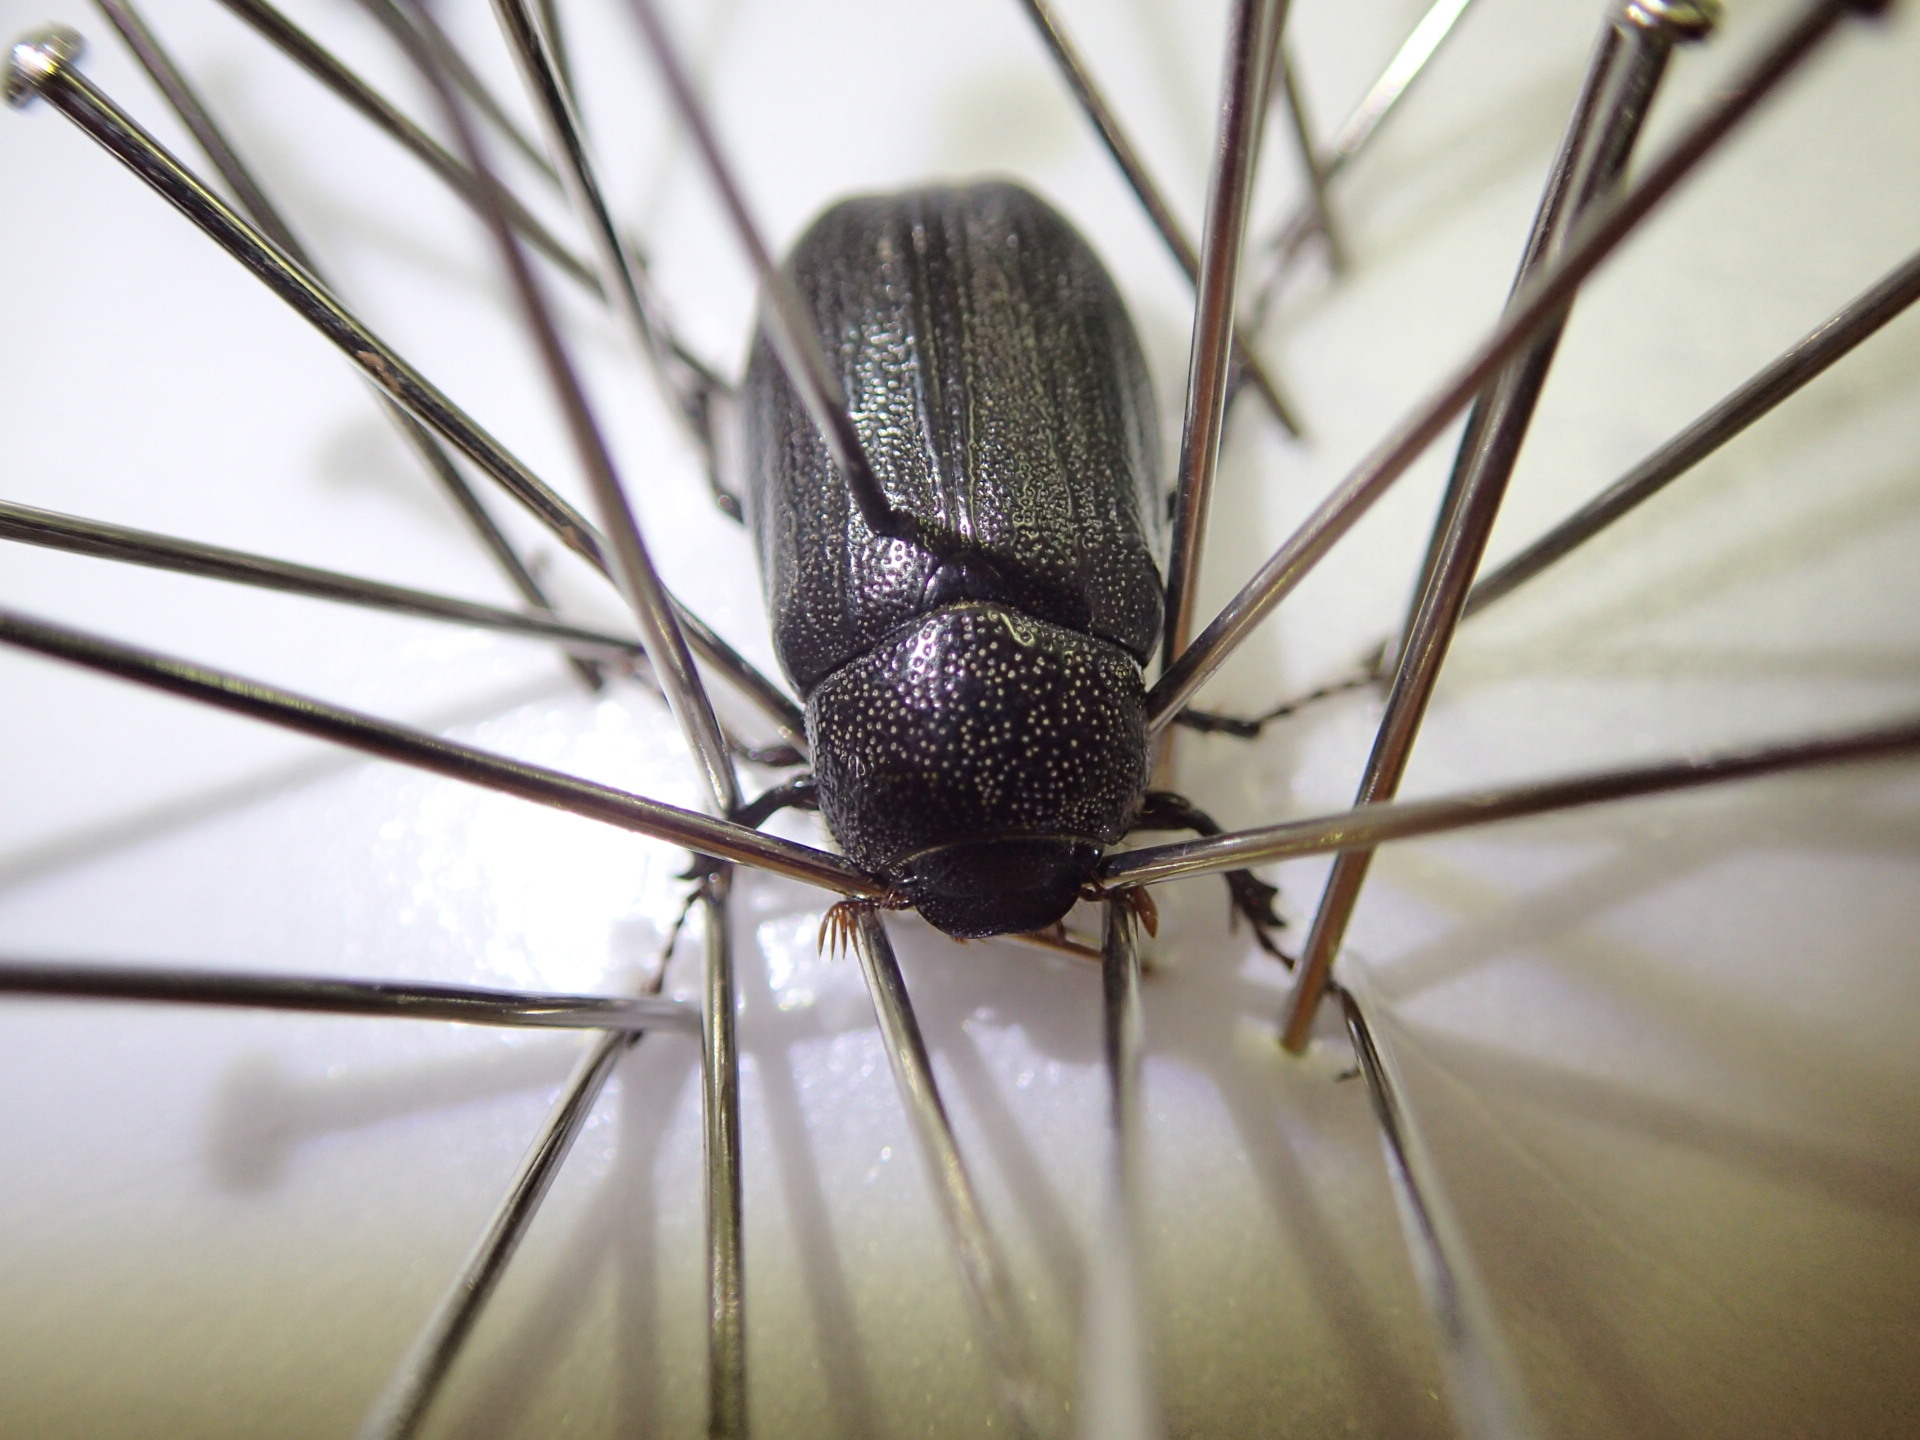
1628	1299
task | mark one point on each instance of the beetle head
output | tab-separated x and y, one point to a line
975	888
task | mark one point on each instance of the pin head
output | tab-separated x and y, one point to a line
38	57
1682	19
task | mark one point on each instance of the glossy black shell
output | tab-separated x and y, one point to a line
976	720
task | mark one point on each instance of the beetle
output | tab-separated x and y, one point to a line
976	716
973	687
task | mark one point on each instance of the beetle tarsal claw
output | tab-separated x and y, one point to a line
1144	909
838	924
1253	900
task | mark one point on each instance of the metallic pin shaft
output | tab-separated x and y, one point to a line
1420	46
1093	102
324	995
325	67
403	1405
1536	306
557	40
982	1270
691	390
70	533
633	567
768	697
1250	45
1799	365
1626	69
1486	1398
1372	825
1625	73
703	834
1315	169
791	329
507	559
186	103
1359	127
43	66
720	1109
560	124
398	19
27	525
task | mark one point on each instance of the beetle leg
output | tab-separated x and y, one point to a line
1252	897
796	794
799	793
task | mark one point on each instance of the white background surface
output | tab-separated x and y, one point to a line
1664	1052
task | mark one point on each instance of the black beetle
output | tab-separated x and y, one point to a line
974	692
